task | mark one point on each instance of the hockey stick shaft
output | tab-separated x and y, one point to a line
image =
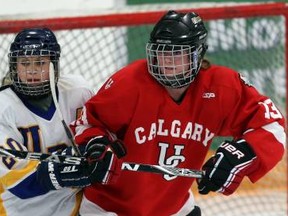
24	155
54	97
174	171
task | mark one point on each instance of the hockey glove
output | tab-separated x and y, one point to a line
195	212
108	156
54	176
227	168
97	148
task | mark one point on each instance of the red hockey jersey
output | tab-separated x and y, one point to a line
157	130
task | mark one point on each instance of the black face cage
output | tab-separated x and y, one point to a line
174	66
32	88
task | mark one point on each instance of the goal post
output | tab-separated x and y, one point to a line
250	38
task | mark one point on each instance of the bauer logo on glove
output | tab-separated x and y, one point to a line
226	169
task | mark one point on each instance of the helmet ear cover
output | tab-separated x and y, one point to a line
177	31
33	42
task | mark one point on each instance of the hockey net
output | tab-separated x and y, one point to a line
248	38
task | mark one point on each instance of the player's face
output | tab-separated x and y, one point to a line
173	62
33	70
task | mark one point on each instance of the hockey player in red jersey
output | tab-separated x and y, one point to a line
166	110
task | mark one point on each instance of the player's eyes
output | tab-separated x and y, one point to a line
171	53
37	63
40	63
176	53
25	63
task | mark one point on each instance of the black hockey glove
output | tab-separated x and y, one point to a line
97	148
226	169
195	212
108	156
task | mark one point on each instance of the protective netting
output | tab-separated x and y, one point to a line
251	44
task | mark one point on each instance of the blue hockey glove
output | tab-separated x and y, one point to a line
227	168
54	176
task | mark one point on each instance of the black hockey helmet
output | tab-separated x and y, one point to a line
28	43
177	33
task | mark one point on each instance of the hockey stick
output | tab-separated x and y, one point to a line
25	155
54	98
174	171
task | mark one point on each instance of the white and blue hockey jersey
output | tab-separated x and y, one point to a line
24	127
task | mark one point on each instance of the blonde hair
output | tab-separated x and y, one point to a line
6	80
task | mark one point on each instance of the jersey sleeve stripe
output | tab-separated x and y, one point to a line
15	176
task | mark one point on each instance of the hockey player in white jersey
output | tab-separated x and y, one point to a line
29	121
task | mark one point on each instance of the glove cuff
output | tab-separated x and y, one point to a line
48	179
